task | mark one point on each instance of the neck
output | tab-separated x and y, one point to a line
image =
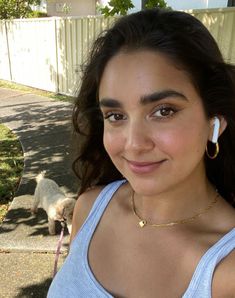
178	203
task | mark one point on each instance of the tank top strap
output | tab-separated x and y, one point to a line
201	282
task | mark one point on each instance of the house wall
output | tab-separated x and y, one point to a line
71	8
42	7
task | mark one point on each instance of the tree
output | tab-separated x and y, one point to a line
155	4
119	7
10	9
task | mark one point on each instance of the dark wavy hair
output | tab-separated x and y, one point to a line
186	41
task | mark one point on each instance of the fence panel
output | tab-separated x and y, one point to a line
221	24
33	52
74	39
49	53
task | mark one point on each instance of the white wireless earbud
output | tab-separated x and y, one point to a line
216	124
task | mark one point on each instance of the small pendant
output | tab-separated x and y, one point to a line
142	223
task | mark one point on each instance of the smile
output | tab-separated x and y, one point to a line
144	167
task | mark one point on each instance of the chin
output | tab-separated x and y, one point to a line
147	187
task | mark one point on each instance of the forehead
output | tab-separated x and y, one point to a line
141	72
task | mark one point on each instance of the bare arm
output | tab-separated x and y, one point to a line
224	278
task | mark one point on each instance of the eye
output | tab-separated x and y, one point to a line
114	117
164	112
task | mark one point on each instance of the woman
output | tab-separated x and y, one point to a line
155	119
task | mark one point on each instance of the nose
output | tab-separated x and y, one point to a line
139	138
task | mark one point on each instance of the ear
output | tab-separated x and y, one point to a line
222	126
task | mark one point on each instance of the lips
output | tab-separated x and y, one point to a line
144	167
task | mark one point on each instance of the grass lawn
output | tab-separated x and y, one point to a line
11	167
10	85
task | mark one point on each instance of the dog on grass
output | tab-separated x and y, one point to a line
50	197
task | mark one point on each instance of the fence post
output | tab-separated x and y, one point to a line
56	53
8	50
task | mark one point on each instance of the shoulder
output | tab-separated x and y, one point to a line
224	274
223	282
82	208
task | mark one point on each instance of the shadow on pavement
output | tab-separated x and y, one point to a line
44	128
35	290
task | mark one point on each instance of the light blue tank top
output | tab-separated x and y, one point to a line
75	278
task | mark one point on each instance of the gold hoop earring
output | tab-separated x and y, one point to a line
216	151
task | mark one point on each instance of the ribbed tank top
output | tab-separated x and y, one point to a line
75	278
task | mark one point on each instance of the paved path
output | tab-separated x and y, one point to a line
26	250
43	127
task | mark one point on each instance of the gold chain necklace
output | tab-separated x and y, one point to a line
143	222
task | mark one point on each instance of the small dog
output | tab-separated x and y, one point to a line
57	206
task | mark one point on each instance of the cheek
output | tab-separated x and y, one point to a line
113	142
182	141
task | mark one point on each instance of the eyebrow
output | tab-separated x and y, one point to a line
145	99
156	96
109	103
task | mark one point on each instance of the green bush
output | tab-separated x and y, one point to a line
119	7
37	14
15	9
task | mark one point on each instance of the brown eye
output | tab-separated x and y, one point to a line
164	112
114	117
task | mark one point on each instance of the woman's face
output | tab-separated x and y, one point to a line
155	128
